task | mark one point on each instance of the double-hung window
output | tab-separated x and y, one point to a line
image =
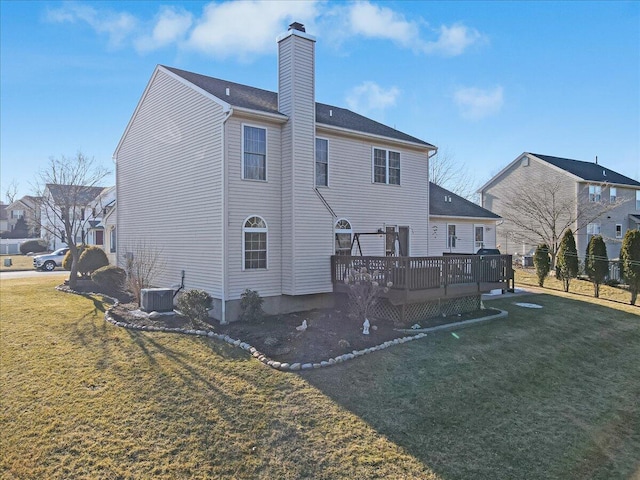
254	153
595	193
386	166
322	162
613	194
593	229
451	236
637	199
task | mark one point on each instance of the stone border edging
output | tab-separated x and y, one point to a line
283	366
462	324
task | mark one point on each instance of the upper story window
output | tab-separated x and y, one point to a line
15	214
595	193
386	166
254	249
613	194
254	153
593	229
322	162
637	199
343	237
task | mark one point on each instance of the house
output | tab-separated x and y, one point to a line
26	208
101	222
458	226
265	187
4	217
540	193
57	199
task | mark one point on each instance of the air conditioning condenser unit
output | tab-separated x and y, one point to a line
156	299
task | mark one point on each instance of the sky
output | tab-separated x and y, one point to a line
483	81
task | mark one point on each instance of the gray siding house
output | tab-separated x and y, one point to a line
589	198
242	188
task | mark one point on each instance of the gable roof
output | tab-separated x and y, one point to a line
457	207
252	98
587	171
83	194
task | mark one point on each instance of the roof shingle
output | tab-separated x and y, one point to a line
588	171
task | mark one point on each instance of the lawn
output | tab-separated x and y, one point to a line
546	393
18	262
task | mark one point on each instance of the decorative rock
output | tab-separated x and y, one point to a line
317	365
324	363
276	364
332	361
256	354
154	315
295	366
245	346
262	358
306	366
211	335
284	366
252	349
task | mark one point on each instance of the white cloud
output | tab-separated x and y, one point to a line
373	21
171	25
475	103
246	28
371	97
454	40
117	26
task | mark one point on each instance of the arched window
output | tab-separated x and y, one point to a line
343	237
254	251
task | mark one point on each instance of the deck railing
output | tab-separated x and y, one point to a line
421	273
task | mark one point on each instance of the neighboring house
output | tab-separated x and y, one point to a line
265	187
57	198
101	222
28	209
458	226
585	196
4	217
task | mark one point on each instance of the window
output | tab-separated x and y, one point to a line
637	199
451	236
112	235
592	229
618	231
613	194
343	237
390	241
479	236
322	162
254	253
254	153
99	237
386	166
595	192
16	214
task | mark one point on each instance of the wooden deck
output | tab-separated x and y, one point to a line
421	279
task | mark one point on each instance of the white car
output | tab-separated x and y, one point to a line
50	261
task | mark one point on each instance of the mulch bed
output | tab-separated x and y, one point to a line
329	333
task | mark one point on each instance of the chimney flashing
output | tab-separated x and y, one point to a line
297	33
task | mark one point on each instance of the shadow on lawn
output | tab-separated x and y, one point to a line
495	402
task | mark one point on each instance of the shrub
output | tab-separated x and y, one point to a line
567	260
251	306
542	262
35	246
630	262
364	292
91	259
596	263
110	279
195	304
68	258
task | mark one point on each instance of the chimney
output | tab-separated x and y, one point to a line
596	159
297	26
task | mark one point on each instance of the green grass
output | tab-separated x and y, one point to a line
549	393
19	262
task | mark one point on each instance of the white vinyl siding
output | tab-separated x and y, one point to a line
254	153
169	183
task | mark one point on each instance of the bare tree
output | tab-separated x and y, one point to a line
64	189
12	191
455	177
142	263
541	212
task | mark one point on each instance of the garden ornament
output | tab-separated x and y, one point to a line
365	327
302	327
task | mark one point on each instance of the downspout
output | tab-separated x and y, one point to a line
223	193
429	157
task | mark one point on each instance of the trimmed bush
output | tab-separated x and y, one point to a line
567	260
251	306
35	246
68	258
630	262
91	259
110	279
542	262
195	304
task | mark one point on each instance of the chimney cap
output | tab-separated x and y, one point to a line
297	26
